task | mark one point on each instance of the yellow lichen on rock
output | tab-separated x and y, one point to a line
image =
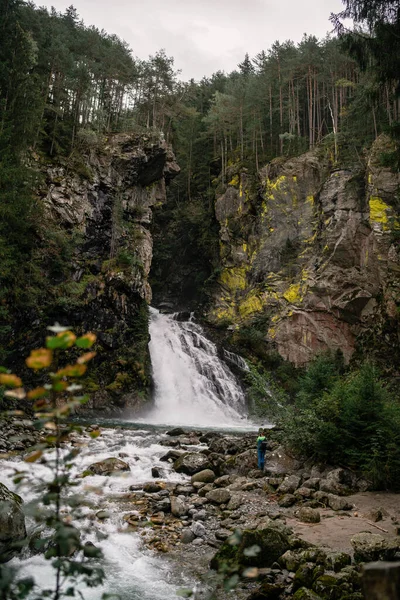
234	279
234	181
293	293
310	199
250	305
378	211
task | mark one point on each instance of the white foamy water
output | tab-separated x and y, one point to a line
193	386
132	571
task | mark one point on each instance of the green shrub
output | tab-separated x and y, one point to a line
346	419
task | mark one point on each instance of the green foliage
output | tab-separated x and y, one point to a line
347	419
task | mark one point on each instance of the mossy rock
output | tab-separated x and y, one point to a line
271	541
306	594
304	576
328	587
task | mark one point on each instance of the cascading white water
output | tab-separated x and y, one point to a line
132	572
192	385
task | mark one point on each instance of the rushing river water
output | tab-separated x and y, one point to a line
193	387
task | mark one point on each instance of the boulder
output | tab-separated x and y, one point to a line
206	476
271	541
178	507
108	466
289	484
198	529
219	496
268	591
340	482
279	462
303	493
12	524
171	456
309	515
242	463
369	547
338	502
191	463
176	431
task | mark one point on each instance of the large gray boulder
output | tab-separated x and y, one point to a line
369	547
206	476
219	496
12	524
107	467
289	484
191	463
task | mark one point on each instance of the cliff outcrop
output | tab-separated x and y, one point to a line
316	251
99	213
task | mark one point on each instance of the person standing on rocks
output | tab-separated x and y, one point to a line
261	448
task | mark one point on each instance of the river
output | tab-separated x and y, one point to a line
192	387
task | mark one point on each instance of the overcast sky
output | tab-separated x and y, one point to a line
205	36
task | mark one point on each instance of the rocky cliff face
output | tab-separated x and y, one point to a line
316	250
102	212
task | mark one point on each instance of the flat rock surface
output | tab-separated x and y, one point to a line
336	529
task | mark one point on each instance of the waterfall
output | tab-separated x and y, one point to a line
193	386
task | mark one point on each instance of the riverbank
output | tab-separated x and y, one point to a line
173	500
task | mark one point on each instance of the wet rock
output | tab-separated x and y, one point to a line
157	473
163	505
338	502
219	496
152	488
369	547
198	529
206	476
176	432
108	466
12	524
309	515
289	484
178	507
172	456
103	514
191	463
187	536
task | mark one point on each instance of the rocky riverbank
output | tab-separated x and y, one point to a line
295	531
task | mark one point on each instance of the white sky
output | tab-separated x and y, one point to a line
205	36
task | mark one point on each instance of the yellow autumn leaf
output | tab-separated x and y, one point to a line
10	380
39	359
